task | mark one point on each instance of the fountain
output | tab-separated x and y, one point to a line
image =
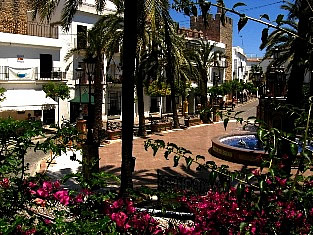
242	148
239	148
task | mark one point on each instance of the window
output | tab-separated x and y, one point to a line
81	37
114	103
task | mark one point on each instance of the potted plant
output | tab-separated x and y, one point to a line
206	115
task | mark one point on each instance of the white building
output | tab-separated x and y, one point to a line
239	65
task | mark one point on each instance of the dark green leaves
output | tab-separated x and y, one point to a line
242	22
187	11
264	35
194	10
176	160
239	4
293	149
225	123
189	161
279	19
265	16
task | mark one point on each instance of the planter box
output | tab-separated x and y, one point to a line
162	126
114	134
192	121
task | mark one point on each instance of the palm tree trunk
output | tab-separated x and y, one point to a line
295	81
170	75
141	112
98	97
128	60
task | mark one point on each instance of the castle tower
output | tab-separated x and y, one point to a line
215	31
13	17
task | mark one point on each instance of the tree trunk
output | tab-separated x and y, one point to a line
295	81
170	74
204	89
98	98
128	60
141	111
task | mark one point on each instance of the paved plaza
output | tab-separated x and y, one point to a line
197	139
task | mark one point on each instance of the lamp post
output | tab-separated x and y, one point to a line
90	149
79	71
257	81
90	66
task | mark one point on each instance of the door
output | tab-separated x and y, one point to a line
45	65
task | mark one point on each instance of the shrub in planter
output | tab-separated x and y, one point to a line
206	115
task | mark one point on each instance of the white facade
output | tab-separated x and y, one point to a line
27	62
239	65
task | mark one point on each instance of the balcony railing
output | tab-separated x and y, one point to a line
31	28
220	64
115	78
30	74
42	30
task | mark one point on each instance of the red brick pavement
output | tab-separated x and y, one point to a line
196	139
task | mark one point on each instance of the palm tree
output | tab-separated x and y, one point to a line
295	50
203	57
45	9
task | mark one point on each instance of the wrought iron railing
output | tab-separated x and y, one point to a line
8	73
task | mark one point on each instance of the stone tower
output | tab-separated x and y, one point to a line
13	17
215	31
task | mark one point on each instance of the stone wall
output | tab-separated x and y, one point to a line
13	17
215	31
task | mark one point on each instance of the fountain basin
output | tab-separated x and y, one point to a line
250	154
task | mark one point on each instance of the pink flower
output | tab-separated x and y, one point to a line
268	181
57	184
185	230
285	156
30	231
47	186
47	221
33	192
255	172
119	218
282	182
118	204
86	191
79	198
130	207
5	183
62	196
42	193
32	184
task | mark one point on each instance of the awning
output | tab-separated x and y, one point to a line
84	99
21	100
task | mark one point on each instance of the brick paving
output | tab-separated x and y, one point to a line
197	139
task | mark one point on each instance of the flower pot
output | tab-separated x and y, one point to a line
114	134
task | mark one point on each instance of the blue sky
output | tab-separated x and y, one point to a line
249	38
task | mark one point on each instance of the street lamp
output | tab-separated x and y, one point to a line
90	148
90	67
79	71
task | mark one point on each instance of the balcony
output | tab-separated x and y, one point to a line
32	29
220	64
42	30
30	74
115	78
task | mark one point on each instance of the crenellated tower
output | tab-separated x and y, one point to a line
215	31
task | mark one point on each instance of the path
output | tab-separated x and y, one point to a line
197	139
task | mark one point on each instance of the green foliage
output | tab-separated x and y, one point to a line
2	96
157	88
53	89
